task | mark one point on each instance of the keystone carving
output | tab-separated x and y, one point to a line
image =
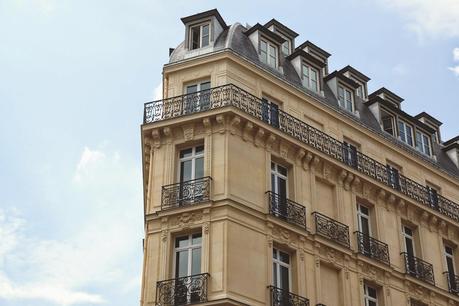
188	132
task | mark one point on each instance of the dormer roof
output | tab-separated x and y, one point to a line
284	29
354	72
387	95
321	52
306	56
209	13
270	34
452	141
337	74
429	118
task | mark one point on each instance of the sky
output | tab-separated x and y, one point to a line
74	75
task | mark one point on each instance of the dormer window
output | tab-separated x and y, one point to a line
310	77
345	98
199	35
286	47
268	53
423	143
388	122
405	132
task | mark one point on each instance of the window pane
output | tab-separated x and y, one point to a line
196	238
181	241
191	89
199	168
282	170
284	278
199	149
195	36
284	257
274	253
186	153
181	264
205	36
275	277
185	170
205	86
372	292
196	261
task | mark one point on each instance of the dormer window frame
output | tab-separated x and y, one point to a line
344	103
402	126
393	118
310	68
287	42
200	24
269	46
422	142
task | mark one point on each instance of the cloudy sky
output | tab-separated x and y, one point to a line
74	75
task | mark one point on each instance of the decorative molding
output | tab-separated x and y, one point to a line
259	137
300	153
188	132
234	124
270	141
355	185
348	180
342	175
221	123
207	123
247	133
283	150
156	136
307	161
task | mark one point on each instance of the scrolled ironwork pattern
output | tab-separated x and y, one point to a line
332	229
183	290
286	209
373	248
419	268
453	282
281	297
231	95
186	193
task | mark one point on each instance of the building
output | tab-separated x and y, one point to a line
269	180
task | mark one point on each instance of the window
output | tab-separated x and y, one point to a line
199	36
387	122
279	180
393	177
268	53
350	154
370	295
450	268
191	163
423	143
405	132
281	270
197	97
432	196
187	258
363	222
310	78
345	98
270	112
408	237
286	47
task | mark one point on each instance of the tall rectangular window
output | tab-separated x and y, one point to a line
191	163
268	53
387	121
270	112
197	97
281	269
345	98
410	250
350	154
393	177
363	222
423	143
432	196
310	77
199	36
405	132
370	295
450	269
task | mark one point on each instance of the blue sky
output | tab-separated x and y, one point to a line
73	79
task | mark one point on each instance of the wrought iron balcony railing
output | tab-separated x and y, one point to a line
182	291
419	268
414	302
286	209
233	96
373	248
332	229
453	282
281	297
186	193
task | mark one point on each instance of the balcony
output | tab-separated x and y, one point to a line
453	282
286	210
373	248
332	229
419	268
186	193
414	302
182	291
281	297
232	96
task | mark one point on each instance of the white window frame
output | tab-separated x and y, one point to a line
269	45
201	26
424	140
343	104
197	106
401	124
278	263
189	248
392	121
361	214
306	77
366	295
408	236
193	158
451	256
276	173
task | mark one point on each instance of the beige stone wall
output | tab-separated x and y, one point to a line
238	233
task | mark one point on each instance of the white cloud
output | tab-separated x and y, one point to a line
455	70
456	53
158	94
428	18
101	251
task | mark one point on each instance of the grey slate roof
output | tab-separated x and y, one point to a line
233	38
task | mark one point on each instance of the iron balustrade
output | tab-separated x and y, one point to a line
281	297
332	229
453	282
183	290
232	96
414	302
419	268
186	193
286	209
372	248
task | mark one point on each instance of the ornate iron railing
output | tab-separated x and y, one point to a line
281	297
182	291
332	229
414	302
453	282
373	248
419	268
286	209
231	95
186	193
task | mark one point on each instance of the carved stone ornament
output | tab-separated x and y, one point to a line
283	150
247	134
188	132
259	137
270	141
234	124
